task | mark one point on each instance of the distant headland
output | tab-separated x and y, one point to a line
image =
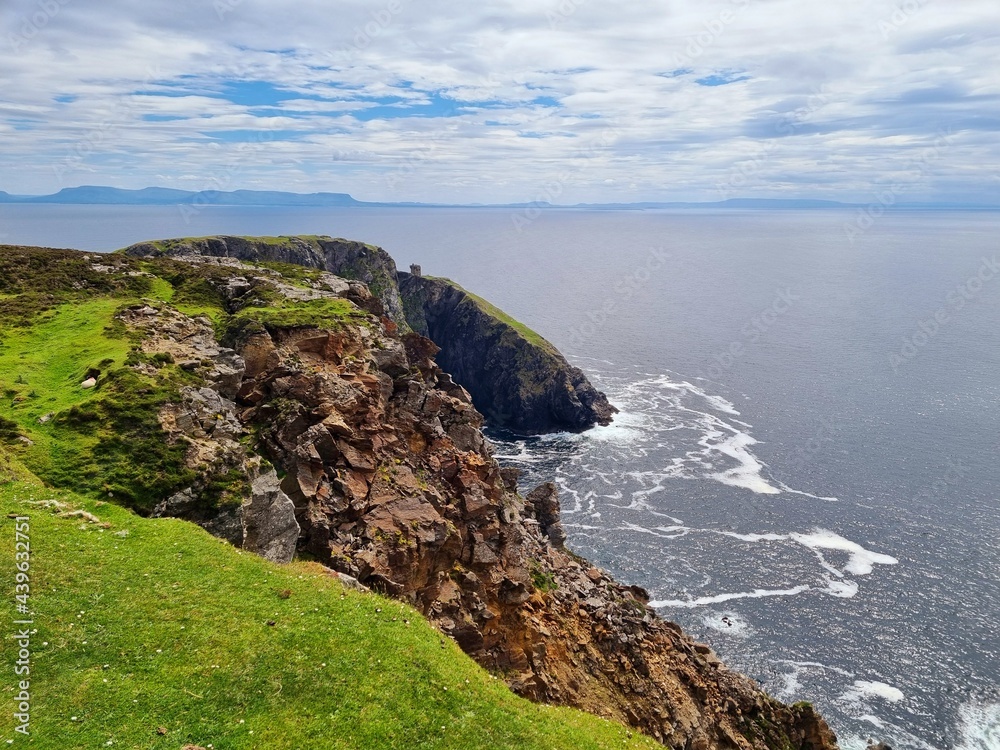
159	196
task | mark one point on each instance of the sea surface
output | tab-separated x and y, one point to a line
805	471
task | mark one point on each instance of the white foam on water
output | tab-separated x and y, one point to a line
785	488
842	589
803	665
863	690
861	561
665	417
720	598
790	685
653	407
748	472
716	402
729	623
524	454
979	726
873	720
754	537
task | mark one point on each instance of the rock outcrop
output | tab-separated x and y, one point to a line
517	379
395	486
356	261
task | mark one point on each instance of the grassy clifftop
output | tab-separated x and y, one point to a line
58	327
152	634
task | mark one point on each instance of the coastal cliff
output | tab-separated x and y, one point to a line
516	378
284	415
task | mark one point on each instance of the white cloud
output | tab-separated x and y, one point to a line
505	97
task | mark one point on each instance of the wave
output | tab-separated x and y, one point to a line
979	726
860	562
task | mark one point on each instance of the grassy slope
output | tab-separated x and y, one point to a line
103	439
154	624
52	357
106	439
492	310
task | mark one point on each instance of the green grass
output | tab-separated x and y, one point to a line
52	357
153	625
300	276
492	310
106	439
330	314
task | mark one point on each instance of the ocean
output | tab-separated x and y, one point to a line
804	473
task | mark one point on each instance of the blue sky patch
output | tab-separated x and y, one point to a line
721	79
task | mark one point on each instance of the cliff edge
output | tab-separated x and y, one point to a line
348	259
517	379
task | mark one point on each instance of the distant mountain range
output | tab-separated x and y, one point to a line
157	196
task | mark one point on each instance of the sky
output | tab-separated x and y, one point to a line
564	101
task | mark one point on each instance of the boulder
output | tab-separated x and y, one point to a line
269	526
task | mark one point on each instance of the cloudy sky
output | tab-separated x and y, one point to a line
505	100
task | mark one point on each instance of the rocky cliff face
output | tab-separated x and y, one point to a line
516	378
345	258
388	479
519	380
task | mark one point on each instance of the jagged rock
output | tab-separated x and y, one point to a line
225	523
269	526
543	504
351	583
516	378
